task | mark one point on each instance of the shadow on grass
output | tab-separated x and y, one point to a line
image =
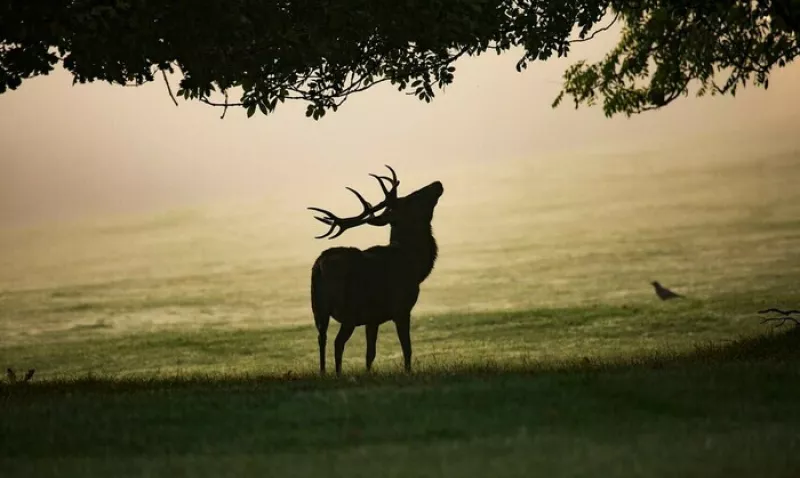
722	410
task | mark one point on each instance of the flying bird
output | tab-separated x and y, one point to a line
663	293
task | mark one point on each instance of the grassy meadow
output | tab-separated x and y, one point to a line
181	343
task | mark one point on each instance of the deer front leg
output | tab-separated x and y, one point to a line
345	331
322	338
321	319
372	339
403	326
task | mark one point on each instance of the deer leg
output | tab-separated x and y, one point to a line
322	338
403	326
345	331
372	339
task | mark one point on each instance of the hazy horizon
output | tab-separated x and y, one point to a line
74	152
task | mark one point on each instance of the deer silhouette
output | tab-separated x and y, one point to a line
379	284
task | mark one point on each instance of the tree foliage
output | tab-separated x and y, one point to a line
322	51
667	45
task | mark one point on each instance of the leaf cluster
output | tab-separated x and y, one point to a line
270	51
257	54
667	46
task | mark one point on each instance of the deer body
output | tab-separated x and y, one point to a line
380	284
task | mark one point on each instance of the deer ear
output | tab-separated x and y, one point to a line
381	220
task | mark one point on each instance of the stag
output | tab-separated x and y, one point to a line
373	286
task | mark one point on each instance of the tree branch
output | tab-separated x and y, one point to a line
598	31
782	320
169	88
778	311
787	316
225	110
221	105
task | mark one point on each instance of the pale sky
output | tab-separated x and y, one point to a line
73	151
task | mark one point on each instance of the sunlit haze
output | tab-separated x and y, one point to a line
72	152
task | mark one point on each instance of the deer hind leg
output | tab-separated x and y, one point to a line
322	337
372	339
403	326
322	313
345	331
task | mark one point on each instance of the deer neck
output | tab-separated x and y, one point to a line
420	246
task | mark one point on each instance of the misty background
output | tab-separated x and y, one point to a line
120	212
91	151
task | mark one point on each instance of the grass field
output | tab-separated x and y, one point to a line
182	344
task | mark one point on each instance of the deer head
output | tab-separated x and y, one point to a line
409	213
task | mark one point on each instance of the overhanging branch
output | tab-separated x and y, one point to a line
169	88
598	31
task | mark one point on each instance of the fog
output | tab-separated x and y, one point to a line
72	152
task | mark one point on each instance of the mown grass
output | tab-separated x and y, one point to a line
506	337
183	344
716	411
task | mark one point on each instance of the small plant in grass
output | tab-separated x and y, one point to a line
12	376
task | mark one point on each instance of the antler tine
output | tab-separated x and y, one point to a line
367	206
341	230
330	221
346	223
383	186
393	181
394	175
326	220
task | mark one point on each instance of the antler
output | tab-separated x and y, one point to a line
393	181
345	223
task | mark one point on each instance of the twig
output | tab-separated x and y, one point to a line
782	320
778	311
787	316
169	88
225	110
598	31
214	103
